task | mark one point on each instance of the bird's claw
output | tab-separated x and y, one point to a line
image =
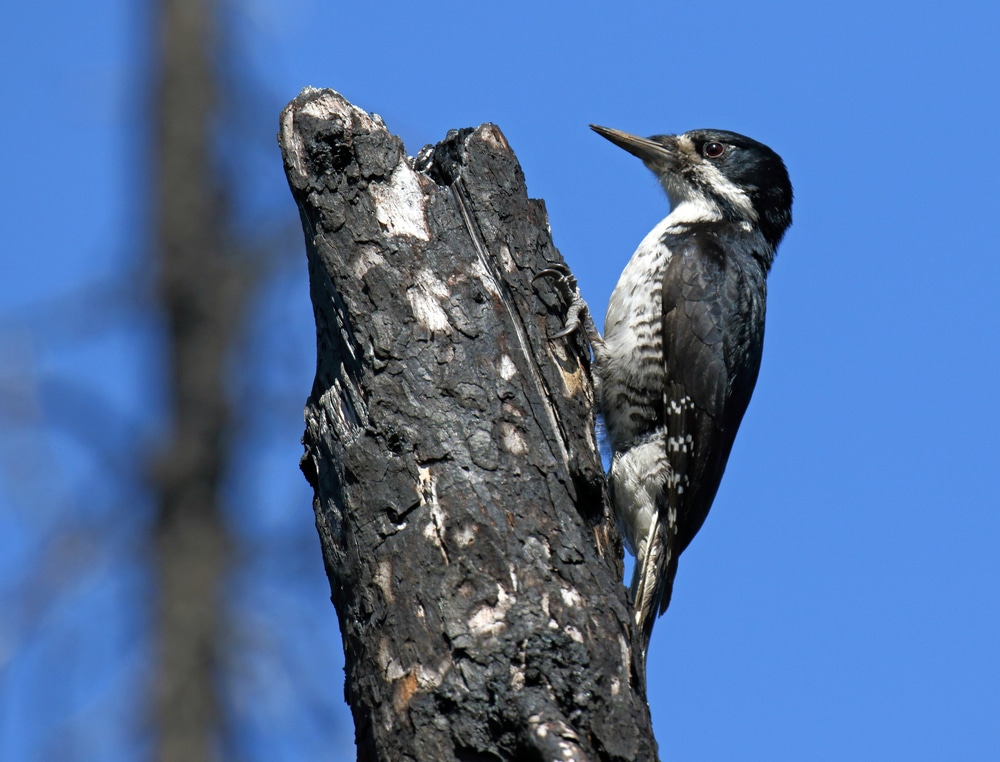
578	311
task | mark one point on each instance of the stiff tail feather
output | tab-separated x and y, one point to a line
653	577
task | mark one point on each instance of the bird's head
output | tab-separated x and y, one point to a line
723	174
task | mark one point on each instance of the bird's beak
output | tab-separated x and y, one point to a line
656	155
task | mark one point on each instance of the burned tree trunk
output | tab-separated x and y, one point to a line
458	492
202	292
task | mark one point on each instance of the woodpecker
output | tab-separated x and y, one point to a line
682	341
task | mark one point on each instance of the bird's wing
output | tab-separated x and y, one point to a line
705	314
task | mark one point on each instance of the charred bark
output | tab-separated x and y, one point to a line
459	496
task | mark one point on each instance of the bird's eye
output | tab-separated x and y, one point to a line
714	150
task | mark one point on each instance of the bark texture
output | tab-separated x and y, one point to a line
459	497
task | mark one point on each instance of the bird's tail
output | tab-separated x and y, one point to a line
653	577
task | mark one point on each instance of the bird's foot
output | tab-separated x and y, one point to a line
578	313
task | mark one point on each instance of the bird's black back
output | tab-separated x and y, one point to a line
714	293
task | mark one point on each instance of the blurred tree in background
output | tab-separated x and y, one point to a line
161	583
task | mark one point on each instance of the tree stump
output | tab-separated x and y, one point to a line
459	495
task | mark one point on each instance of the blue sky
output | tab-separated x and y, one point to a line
843	599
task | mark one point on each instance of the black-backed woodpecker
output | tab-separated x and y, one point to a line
683	339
